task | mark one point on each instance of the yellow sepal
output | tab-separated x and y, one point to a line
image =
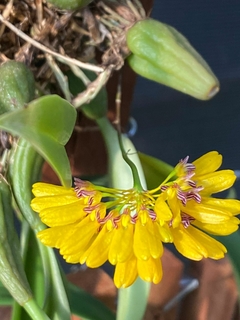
146	243
187	245
41	189
38	204
162	209
62	215
84	233
97	252
121	247
223	229
150	270
216	181
207	213
230	205
125	273
207	163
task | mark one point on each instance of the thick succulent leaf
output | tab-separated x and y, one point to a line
47	123
17	86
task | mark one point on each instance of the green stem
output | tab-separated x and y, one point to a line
116	163
93	89
136	179
61	79
35	312
132	301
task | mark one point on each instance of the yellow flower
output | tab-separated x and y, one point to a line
92	224
194	209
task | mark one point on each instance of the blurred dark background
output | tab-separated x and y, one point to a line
172	125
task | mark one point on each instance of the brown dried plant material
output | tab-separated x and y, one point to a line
86	148
29	29
49	27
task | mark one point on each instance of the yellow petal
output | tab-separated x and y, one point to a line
41	189
72	258
162	209
121	247
81	239
155	241
45	189
207	163
41	203
62	215
125	273
165	233
187	245
150	270
54	237
206	213
97	253
223	229
140	242
216	181
175	208
147	241
215	249
230	205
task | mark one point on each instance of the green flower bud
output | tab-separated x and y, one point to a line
12	274
162	54
16	86
69	4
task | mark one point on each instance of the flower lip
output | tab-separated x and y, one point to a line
186	219
189	167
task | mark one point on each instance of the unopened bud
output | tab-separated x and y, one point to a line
162	54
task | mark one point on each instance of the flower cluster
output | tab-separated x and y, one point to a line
92	224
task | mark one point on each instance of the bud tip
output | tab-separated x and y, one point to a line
214	90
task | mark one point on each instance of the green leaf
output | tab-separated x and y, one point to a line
155	170
56	303
47	123
33	269
86	306
17	86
